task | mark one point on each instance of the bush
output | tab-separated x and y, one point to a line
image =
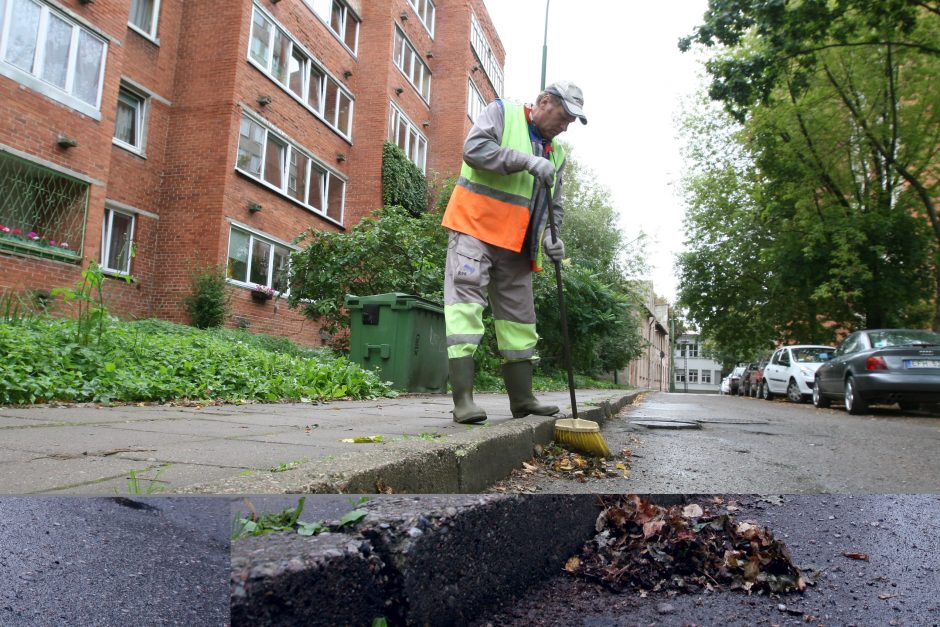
152	360
208	303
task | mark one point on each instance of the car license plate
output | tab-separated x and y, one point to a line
922	363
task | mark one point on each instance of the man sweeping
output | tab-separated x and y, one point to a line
497	216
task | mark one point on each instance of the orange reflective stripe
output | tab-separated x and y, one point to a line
489	220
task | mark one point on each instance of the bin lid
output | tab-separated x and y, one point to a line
395	300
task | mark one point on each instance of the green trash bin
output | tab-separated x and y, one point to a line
402	337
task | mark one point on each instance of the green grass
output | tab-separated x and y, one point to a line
153	360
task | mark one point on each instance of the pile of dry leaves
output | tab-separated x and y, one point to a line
558	462
684	548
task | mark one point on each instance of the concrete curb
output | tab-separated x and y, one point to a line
431	560
464	463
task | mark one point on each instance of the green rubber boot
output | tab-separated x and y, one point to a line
461	382
518	378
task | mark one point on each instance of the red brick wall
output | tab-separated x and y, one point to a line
201	79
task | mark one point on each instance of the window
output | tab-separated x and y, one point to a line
485	54
339	19
43	211
425	10
680	375
693	349
289	169
475	102
277	54
693	376
403	133
44	50
129	126
706	376
408	60
255	260
117	241
143	17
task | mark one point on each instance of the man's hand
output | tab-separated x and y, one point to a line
555	250
542	169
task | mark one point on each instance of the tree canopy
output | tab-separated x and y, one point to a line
824	219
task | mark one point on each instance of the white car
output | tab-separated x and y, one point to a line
792	370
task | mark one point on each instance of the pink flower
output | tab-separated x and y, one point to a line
52	242
5	229
64	245
32	235
16	231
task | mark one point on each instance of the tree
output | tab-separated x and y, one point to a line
841	102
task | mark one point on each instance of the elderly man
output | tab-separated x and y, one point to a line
497	216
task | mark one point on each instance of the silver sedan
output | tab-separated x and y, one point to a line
881	366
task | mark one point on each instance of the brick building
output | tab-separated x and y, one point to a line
158	136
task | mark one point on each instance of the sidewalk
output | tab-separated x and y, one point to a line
277	448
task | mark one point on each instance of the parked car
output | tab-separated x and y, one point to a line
735	376
792	371
757	377
881	366
748	386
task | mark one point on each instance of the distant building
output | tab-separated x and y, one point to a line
651	369
155	136
693	371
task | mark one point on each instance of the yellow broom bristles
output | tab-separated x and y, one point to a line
583	435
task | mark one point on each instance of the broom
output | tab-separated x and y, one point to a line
583	435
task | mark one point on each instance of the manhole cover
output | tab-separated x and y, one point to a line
667	424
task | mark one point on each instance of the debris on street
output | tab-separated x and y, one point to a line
683	548
556	461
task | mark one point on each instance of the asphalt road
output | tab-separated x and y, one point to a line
746	445
899	583
112	561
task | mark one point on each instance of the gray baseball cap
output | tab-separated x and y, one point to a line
571	98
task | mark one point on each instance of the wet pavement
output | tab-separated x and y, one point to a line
114	561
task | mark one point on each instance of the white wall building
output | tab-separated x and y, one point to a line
692	371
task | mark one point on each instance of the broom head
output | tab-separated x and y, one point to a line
582	435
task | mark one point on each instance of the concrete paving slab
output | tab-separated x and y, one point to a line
209	448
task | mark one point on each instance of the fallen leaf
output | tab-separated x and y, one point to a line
857	556
573	564
363	439
692	510
884	597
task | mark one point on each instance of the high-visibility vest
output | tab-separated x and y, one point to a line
496	208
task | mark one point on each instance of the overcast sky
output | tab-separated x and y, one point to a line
623	55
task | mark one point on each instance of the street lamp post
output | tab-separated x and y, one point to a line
684	347
545	46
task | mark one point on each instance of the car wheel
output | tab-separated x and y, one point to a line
765	392
819	400
854	404
793	392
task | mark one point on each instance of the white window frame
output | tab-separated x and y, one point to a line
142	115
308	62
481	47
396	117
323	9
411	66
706	376
427	15
475	101
680	375
254	236
693	375
154	20
107	233
32	78
327	176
